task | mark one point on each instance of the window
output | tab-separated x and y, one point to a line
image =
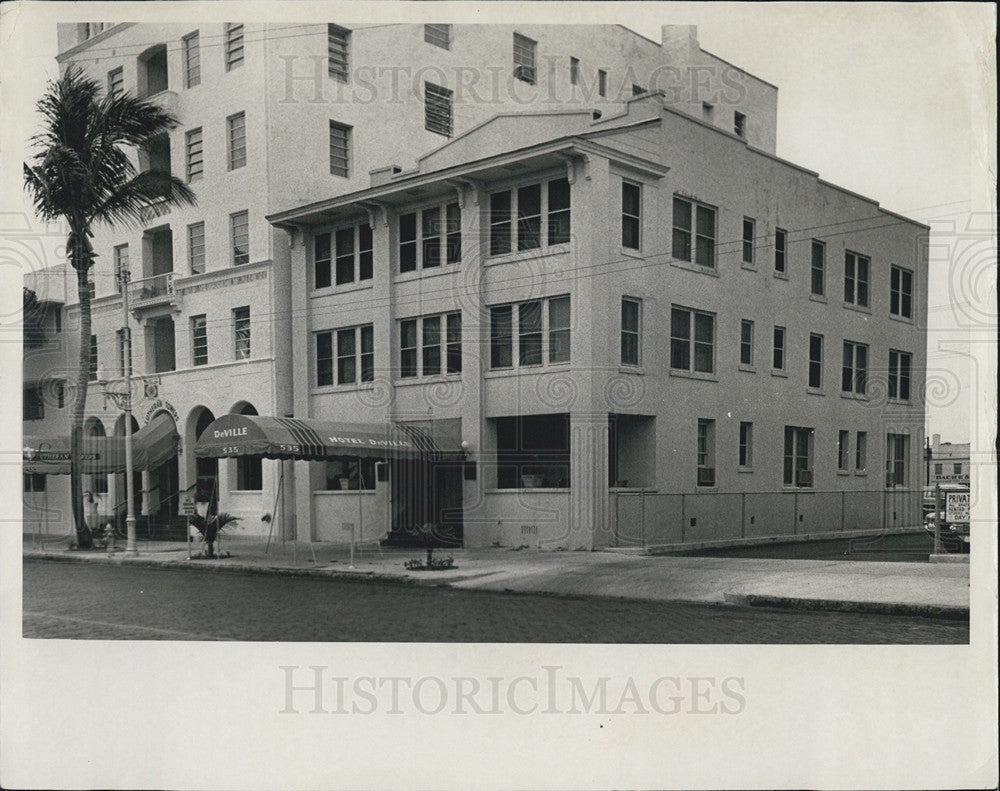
355	348
746	444
199	340
196	247
34	404
34	482
778	349
121	263
780	247
353	252
241	332
116	82
438	35
856	279
437	109
899	374
798	456
530	204
739	124
939	469
631	313
854	378
236	129
122	342
602	83
338	42
234	45
533	451
901	292
860	451
439	240
239	227
843	450
706	452
524	58
815	361
702	230
193	154
817	282
746	342
346	474
192	60
956	469
439	348
343	250
92	366
692	351
536	320
896	455
631	215
340	149
574	71
748	237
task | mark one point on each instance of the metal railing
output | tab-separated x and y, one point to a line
648	518
159	288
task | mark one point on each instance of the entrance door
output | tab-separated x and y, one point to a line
166	484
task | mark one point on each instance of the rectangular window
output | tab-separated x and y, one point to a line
346	252
558	218
843	449
524	58
701	234
899	374
121	262
529	333
602	83
192	60
194	154
706	452
324	359
196	247
236	135
531	204
92	366
631	316
748	240
367	332
430	345
860	451
559	330
896	456
438	109
574	71
501	336
529	217
338	42
739	124
430	342
631	215
340	149
347	357
34	482
239	231
780	247
116	82
815	361
234	45
746	444
34	404
500	225
241	332
856	279
438	35
345	474
355	351
692	348
439	241
746	342
408	349
322	260
854	377
956	469
199	340
939	469
818	279
343	241
901	292
798	456
778	349
453	343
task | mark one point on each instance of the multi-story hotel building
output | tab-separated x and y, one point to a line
568	256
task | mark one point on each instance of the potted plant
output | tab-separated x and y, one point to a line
211	527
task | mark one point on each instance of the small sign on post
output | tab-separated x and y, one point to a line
957	507
187	509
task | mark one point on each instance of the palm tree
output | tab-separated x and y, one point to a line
82	174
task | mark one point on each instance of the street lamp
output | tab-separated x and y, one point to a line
123	400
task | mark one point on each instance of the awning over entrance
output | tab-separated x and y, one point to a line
293	438
151	446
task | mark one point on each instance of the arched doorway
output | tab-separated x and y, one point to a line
206	470
164	483
120	495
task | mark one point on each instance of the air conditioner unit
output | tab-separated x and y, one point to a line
150	389
804	478
526	73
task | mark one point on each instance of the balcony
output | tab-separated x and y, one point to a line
166	99
152	291
156	209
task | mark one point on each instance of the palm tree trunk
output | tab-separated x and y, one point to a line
84	538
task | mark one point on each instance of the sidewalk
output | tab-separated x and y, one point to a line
933	589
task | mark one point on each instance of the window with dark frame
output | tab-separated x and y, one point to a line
192	60
340	149
706	452
748	239
345	356
241	332
630	340
199	340
116	82
438	109
33	404
236	138
817	282
778	349
901	292
338	42
856	269
739	123
780	248
692	340
693	232
239	232
196	247
815	361
524	58
899	374
843	449
860	451
121	262
233	45
746	444
194	154
631	215
34	482
435	240
543	217
798	456
746	342
854	378
559	330
543	333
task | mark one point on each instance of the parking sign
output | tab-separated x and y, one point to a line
957	507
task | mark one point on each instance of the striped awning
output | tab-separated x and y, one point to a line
293	438
152	445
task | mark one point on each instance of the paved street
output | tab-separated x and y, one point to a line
64	600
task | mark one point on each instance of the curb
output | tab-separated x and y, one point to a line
946	612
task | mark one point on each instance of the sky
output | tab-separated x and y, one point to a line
894	101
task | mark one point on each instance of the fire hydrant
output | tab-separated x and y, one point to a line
109	537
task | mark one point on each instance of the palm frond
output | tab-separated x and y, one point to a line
127	203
